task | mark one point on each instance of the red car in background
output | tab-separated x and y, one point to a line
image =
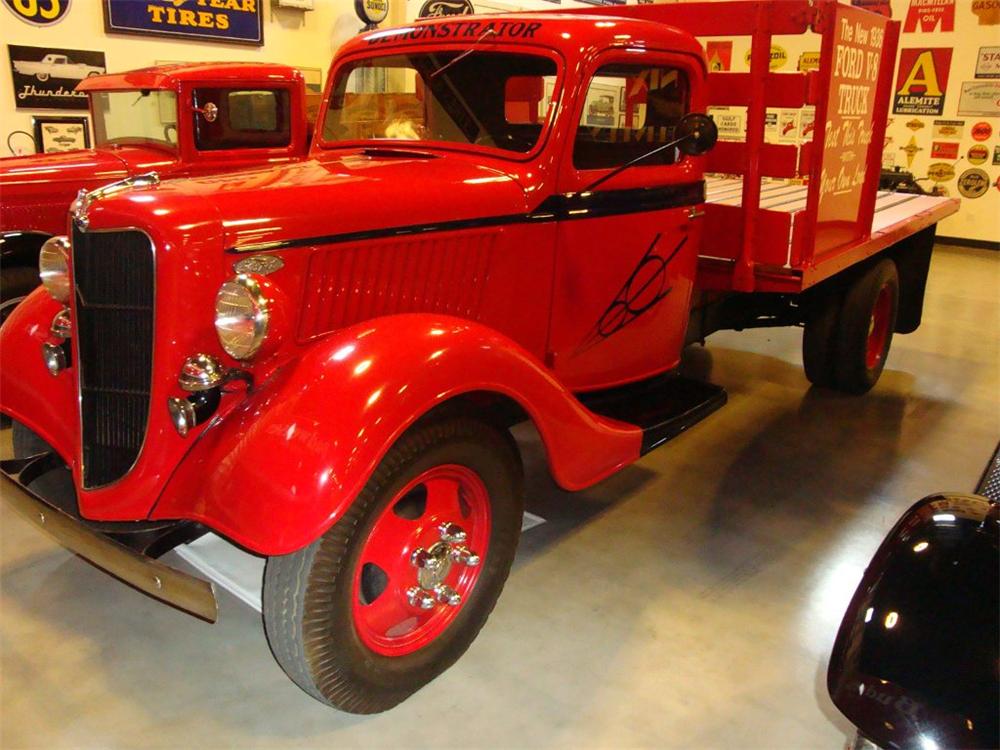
177	120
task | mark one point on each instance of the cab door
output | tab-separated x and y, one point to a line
626	249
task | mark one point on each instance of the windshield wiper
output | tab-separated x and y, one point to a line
452	61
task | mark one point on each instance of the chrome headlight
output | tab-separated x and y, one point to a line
53	267
241	317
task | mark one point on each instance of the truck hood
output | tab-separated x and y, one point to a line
36	190
336	195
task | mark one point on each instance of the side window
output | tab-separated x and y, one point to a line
629	110
242	118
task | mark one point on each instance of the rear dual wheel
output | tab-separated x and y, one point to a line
397	590
848	331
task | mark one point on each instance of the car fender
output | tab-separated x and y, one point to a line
279	470
914	663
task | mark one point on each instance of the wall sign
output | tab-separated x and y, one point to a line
947	129
973	183
39	12
978	155
882	7
980	98
921	81
438	8
929	14
981	131
44	77
911	150
371	12
996	156
941	172
54	134
233	21
720	55
808	61
987	11
988	62
944	150
778	57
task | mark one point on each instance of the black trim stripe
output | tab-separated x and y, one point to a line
565	207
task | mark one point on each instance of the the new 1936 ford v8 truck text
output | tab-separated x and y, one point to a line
320	362
179	120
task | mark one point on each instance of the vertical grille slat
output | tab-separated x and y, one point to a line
113	273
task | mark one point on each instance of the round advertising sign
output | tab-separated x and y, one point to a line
39	12
973	183
371	12
437	8
978	155
941	172
982	131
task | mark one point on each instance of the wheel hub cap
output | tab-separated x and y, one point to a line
433	565
421	559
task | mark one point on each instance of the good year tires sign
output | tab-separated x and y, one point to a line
233	21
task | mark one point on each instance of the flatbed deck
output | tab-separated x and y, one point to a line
783	203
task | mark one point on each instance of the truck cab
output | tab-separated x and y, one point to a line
500	219
150	119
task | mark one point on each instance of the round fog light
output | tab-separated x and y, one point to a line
62	326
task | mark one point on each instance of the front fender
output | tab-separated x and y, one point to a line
914	664
281	469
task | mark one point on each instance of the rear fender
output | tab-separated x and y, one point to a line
282	468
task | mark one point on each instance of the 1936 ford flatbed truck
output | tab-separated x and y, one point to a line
150	119
320	362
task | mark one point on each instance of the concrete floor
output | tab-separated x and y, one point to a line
690	601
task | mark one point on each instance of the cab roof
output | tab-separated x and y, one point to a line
169	76
562	31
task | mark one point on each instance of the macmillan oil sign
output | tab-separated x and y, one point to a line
232	21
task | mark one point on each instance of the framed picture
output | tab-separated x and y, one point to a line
54	134
46	77
230	22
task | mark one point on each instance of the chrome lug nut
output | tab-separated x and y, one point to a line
424	560
452	533
447	595
420	598
465	556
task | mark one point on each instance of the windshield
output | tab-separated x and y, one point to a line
141	118
493	99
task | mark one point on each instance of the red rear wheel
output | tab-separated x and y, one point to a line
878	327
421	560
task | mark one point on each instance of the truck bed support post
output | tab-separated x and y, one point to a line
760	63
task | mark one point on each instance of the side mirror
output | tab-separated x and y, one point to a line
696	134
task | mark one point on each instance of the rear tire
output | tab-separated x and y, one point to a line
848	331
340	615
864	332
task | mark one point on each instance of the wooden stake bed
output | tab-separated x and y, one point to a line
782	227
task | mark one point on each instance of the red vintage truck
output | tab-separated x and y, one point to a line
151	119
320	361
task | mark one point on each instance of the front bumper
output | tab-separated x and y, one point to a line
150	576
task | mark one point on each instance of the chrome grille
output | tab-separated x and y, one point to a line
113	274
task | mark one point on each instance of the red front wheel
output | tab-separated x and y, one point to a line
396	591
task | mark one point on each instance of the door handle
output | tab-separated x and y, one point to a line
695	213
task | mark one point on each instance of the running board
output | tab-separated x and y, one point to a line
663	407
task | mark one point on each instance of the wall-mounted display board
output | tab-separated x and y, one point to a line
231	21
44	77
